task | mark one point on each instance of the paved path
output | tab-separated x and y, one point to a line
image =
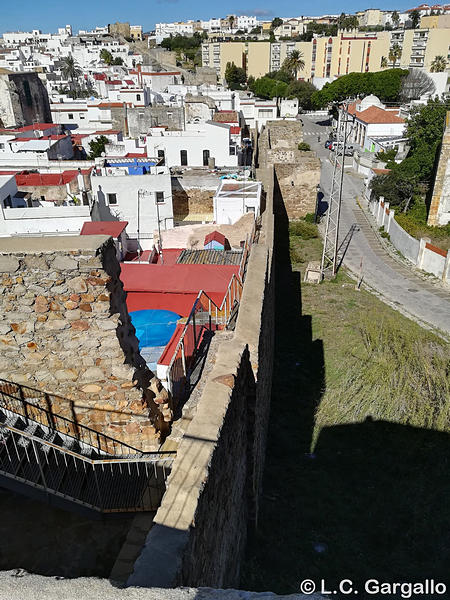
425	301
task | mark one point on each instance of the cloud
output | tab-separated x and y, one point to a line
258	12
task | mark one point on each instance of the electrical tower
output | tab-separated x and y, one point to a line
329	262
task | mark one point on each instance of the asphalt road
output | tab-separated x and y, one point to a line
425	301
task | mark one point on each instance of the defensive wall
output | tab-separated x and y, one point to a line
65	330
440	202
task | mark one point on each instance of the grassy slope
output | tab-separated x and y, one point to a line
355	381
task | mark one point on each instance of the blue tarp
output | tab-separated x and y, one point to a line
154	327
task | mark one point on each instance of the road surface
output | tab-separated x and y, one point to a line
425	301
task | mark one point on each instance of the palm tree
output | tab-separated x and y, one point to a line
384	62
395	19
70	70
414	17
439	64
294	63
395	53
231	20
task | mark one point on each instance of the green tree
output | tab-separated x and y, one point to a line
304	147
439	64
395	18
106	56
294	63
276	22
231	21
118	61
268	88
235	76
280	75
395	54
70	70
414	17
97	146
303	90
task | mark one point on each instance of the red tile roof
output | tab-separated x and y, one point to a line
114	82
38	126
112	228
381	171
234	129
100	76
375	114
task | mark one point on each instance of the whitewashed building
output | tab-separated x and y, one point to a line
233	199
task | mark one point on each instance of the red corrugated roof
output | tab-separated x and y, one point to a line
215	236
129	81
114	82
48	179
136	155
100	76
44	137
112	228
177	278
234	129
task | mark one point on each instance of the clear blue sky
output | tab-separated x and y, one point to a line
48	15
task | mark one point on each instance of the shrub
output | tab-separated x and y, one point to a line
310	218
304	147
303	229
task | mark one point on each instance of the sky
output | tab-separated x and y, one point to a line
48	15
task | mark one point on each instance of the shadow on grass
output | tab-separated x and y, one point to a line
370	503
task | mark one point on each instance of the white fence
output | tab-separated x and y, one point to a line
421	253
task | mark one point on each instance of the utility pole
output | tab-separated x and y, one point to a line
329	262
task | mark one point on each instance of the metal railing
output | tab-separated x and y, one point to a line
25	401
54	455
204	316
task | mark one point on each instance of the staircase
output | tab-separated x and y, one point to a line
52	458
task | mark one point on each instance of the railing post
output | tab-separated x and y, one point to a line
39	463
183	358
100	503
195	333
209	313
24	402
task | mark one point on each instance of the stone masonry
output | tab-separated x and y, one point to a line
65	329
297	173
440	202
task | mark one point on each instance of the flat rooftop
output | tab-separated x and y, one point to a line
57	243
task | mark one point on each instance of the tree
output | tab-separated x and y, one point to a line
395	54
395	18
235	76
231	20
294	63
303	90
276	22
396	187
268	88
304	147
415	85
118	61
280	75
97	146
439	64
106	56
414	18
70	70
384	62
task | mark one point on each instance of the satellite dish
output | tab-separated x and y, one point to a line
247	173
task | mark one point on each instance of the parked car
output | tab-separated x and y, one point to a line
327	143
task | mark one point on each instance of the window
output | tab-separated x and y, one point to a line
112	198
232	151
162	156
159	197
81	117
183	158
2	146
138	97
70	116
205	158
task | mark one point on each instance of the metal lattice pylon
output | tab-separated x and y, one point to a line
329	262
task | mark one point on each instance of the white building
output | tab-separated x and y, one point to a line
141	199
233	199
246	23
257	112
194	147
20	216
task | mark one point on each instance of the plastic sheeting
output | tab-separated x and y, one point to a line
154	327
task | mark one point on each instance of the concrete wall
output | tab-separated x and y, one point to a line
200	530
433	260
65	329
43	219
192	200
404	242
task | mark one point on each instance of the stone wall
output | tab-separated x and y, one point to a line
297	173
190	199
65	329
23	100
200	529
440	202
171	117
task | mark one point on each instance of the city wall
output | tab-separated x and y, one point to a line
65	330
200	530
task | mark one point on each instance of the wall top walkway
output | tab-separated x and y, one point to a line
57	243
